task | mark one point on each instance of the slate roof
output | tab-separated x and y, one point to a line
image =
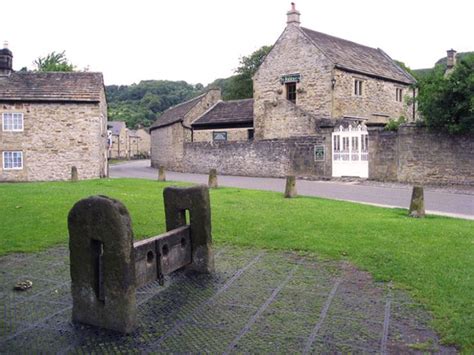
116	127
236	113
358	58
176	113
51	86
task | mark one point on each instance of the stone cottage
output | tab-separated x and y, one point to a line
118	140
50	123
139	143
311	85
225	121
173	129
309	76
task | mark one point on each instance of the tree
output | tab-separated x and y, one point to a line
241	84
53	62
447	101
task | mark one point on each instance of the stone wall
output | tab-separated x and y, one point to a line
383	155
435	158
416	155
57	136
376	104
264	158
120	145
233	134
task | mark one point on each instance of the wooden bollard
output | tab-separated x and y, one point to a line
290	189
212	179
161	173
417	204
74	175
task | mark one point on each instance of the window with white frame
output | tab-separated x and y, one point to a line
358	87
12	121
13	160
398	94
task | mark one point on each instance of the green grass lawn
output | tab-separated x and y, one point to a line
433	257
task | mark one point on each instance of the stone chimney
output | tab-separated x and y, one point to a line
451	58
293	16
6	60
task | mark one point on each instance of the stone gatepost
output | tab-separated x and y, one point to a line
212	179
196	200
161	173
417	204
102	264
290	189
74	174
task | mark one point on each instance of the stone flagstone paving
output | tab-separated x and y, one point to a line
256	302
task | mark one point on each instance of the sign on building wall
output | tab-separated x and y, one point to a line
219	136
319	153
290	78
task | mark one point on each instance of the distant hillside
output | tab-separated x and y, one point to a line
141	104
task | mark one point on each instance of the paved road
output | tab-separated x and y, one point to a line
448	203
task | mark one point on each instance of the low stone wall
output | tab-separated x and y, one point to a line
435	158
264	158
383	155
416	155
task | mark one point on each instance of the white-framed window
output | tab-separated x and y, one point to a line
12	121
398	94
13	160
358	86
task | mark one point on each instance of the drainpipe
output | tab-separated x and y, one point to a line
414	103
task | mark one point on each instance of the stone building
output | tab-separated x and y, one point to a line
50	123
118	140
309	75
314	94
225	121
139	143
173	129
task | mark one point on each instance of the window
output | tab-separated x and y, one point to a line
291	92
358	87
12	160
219	136
398	94
250	133
12	122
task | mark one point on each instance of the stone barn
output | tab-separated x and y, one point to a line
50	123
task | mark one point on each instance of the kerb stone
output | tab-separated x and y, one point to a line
417	205
290	189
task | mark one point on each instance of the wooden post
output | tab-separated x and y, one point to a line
213	179
74	175
290	190
161	173
417	204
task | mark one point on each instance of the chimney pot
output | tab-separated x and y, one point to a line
293	16
450	58
6	60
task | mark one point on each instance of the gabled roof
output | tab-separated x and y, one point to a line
115	127
176	113
51	86
358	58
227	114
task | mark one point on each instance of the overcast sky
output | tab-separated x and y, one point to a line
201	40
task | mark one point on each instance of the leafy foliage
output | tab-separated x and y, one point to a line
447	101
240	85
393	124
140	104
53	62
